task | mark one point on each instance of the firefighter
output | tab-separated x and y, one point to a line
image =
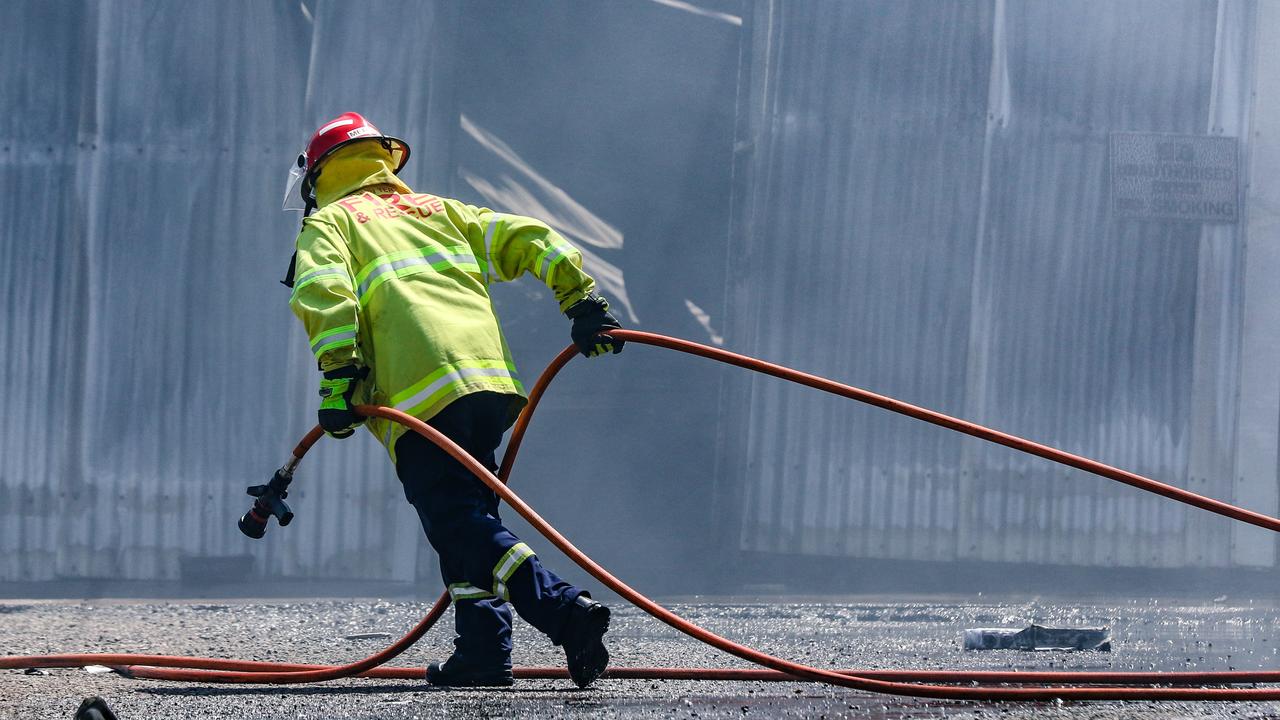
393	288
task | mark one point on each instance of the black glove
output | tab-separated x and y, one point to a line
590	316
336	414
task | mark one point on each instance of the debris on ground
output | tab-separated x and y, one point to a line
1038	637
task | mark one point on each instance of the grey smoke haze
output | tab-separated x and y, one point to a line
913	197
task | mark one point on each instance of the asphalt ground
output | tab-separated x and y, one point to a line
859	632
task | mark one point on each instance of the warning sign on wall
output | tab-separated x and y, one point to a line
1194	178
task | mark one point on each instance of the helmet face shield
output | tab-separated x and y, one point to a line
293	188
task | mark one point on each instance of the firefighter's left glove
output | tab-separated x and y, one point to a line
337	414
591	317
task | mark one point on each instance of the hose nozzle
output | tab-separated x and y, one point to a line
270	501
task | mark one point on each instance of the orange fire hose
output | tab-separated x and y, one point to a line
882	681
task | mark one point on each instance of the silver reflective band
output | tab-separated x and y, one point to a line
555	252
509	562
463	591
305	279
342	122
395	265
452	377
335	339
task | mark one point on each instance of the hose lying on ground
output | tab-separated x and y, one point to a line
912	683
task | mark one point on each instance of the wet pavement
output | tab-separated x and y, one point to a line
925	633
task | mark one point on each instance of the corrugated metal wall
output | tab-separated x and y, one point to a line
927	212
154	369
910	196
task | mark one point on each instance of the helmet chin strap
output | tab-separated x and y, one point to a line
288	274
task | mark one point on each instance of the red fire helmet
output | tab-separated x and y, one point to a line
347	128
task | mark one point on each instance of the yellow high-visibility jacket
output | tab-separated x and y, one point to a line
398	282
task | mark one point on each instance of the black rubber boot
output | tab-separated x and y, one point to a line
456	674
94	708
584	648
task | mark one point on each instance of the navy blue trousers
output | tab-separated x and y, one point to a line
485	566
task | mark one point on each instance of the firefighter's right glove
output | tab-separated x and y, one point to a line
337	415
590	317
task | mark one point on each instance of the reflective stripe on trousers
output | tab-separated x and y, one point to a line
464	591
507	566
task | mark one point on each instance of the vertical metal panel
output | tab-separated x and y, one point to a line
929	218
866	174
1256	470
1083	329
44	238
157	367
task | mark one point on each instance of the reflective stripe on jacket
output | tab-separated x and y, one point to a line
399	282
